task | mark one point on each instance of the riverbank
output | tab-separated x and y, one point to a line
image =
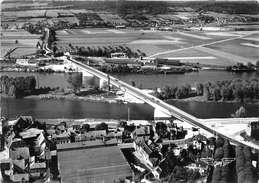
110	98
203	99
104	98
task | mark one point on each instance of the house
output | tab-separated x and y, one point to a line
119	55
91	135
252	130
147	150
18	149
160	170
20	177
126	136
38	169
61	138
211	143
26	62
143	131
198	141
199	166
22	123
149	65
35	139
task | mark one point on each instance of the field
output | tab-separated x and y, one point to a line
114	19
26	43
171	44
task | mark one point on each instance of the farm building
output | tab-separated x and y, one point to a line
26	62
166	61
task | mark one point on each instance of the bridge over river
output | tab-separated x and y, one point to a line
158	104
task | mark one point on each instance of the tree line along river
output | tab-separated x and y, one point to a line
80	109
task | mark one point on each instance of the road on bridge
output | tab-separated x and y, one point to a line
155	102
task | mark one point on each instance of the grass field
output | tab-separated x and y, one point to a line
175	44
26	43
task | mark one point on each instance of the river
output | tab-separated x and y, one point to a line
148	81
42	109
80	109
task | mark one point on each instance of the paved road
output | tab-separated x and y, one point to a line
157	103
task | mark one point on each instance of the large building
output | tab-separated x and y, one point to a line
92	161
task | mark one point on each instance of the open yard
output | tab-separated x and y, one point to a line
25	44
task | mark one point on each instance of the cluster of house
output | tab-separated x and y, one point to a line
28	155
148	146
120	59
61	134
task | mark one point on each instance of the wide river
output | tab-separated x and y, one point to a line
76	109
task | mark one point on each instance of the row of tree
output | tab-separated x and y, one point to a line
244	168
17	86
222	173
227	90
102	52
174	92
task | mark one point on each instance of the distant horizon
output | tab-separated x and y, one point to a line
140	0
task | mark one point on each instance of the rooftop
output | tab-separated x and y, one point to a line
104	164
86	145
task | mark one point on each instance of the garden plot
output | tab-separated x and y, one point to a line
21	4
185	15
194	36
235	49
225	56
168	17
74	11
26	42
115	19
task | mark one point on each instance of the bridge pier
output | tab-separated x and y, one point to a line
160	115
90	79
87	79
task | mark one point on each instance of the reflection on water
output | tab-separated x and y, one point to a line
81	109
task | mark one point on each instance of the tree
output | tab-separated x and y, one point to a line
161	129
101	126
199	88
240	113
196	175
86	127
75	81
40	52
219	154
16	41
219	142
133	83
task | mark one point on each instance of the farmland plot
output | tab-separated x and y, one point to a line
26	43
115	19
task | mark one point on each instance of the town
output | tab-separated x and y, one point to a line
133	151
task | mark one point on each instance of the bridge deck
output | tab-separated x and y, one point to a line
157	103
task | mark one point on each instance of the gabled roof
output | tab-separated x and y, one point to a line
199	137
30	133
145	147
142	130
